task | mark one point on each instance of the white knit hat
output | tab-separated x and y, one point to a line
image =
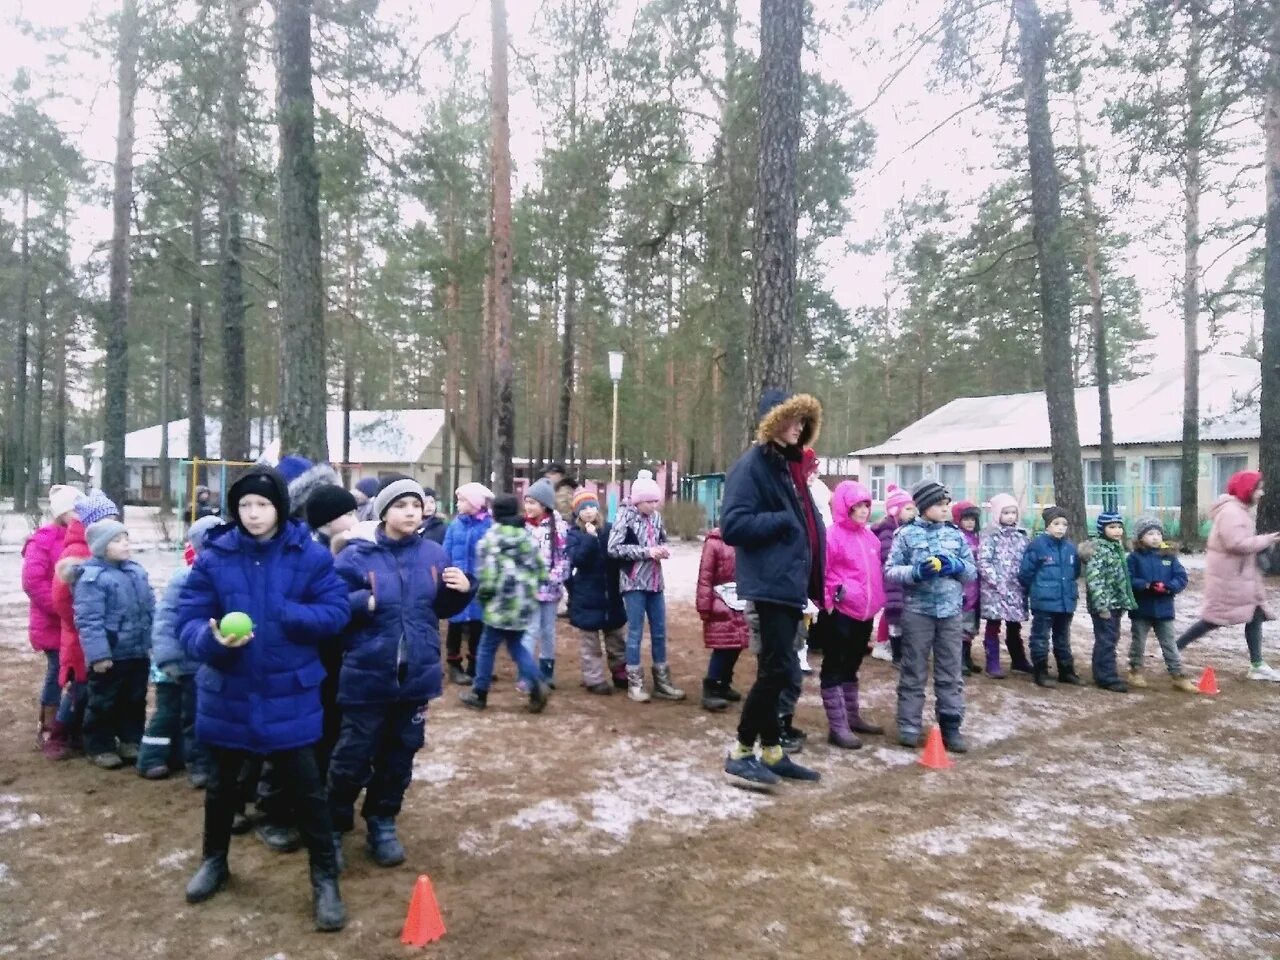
62	499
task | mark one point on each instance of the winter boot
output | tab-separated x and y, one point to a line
384	845
199	779
278	838
803	655
838	733
458	675
620	681
475	699
209	879
952	739
1184	684
57	745
48	714
547	667
967	666
107	761
1136	679
992	646
330	914
728	693
158	772
240	824
663	688
635	685
711	698
856	723
909	738
600	689
1018	661
128	752
1067	674
1042	677
537	697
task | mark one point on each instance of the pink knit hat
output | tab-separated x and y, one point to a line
895	499
645	489
476	494
999	503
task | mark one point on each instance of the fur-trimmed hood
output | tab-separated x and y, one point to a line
802	405
68	568
306	483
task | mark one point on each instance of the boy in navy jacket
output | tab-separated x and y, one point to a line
1157	576
1050	569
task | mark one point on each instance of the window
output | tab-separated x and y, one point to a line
997	478
909	474
1164	482
877	476
1042	480
1224	465
951	476
1095	494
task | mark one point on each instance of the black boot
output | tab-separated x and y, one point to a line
458	675
475	699
711	697
728	693
330	914
278	838
209	879
1042	678
967	666
1068	675
952	739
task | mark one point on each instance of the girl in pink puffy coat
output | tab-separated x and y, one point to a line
854	594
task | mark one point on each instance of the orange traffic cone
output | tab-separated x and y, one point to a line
935	754
423	924
1208	683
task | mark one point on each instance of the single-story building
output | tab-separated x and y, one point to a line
981	446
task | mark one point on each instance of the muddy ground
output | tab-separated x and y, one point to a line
1084	824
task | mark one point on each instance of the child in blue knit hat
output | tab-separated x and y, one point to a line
1106	577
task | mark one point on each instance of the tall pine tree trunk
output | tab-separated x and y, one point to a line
20	363
35	408
58	440
774	247
116	407
1189	521
166	498
235	414
1055	287
303	428
197	443
504	418
561	449
1269	442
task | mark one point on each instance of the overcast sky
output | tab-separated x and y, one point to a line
960	158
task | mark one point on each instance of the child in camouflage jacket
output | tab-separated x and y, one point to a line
1106	577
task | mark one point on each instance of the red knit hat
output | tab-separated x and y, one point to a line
1243	484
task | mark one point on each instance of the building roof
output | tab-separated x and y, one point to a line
144	444
1145	410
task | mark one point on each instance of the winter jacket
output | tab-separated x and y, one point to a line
894	597
1106	576
264	696
939	597
632	537
115	606
1233	585
392	654
39	554
1000	551
511	571
762	518
166	645
434	528
460	543
75	551
595	581
972	588
1146	569
853	558
555	560
1048	574
722	627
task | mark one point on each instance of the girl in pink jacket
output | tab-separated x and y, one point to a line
854	595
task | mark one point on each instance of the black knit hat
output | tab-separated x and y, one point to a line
926	493
1051	514
328	503
506	511
265	482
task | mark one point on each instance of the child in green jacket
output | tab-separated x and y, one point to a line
1106	576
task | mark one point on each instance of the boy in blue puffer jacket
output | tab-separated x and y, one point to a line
169	742
931	558
470	523
400	586
1049	571
114	605
1157	576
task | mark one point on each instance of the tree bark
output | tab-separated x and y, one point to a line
1192	184
235	414
58	440
166	496
197	444
774	247
116	407
20	380
1055	288
504	420
1269	442
561	450
303	427
35	409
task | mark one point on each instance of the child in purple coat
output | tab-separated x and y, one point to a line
898	510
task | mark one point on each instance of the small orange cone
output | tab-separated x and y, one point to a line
423	924
1208	683
935	754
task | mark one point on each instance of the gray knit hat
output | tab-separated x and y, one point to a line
100	534
928	492
543	492
405	487
1146	524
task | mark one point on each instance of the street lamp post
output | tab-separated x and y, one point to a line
615	374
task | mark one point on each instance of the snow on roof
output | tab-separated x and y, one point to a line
1145	410
380	436
144	444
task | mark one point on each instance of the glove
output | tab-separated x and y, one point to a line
1159	587
951	567
172	671
927	569
102	666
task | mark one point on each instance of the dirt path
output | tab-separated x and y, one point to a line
1084	824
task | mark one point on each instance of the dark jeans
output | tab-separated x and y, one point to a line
375	754
778	669
490	640
50	692
1059	624
170	737
470	631
1106	633
117	706
1252	634
846	640
300	778
721	664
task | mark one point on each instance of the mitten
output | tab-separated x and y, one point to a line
951	567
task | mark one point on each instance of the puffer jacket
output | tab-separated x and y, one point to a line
115	606
392	654
1000	551
435	528
853	558
1106	576
1048	574
551	537
264	696
510	571
972	588
939	597
1233	585
1146	569
630	541
460	543
722	627
75	551
39	554
166	645
595	581
885	530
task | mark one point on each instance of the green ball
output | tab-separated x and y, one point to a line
236	625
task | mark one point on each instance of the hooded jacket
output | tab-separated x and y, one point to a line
723	628
510	570
39	554
460	543
885	529
940	597
75	551
114	606
1233	584
595	581
1106	576
1049	571
1147	568
854	574
1000	551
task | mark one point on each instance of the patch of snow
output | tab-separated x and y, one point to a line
13	819
115	839
940	916
434	771
1077	923
5	877
894	758
171	861
856	929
